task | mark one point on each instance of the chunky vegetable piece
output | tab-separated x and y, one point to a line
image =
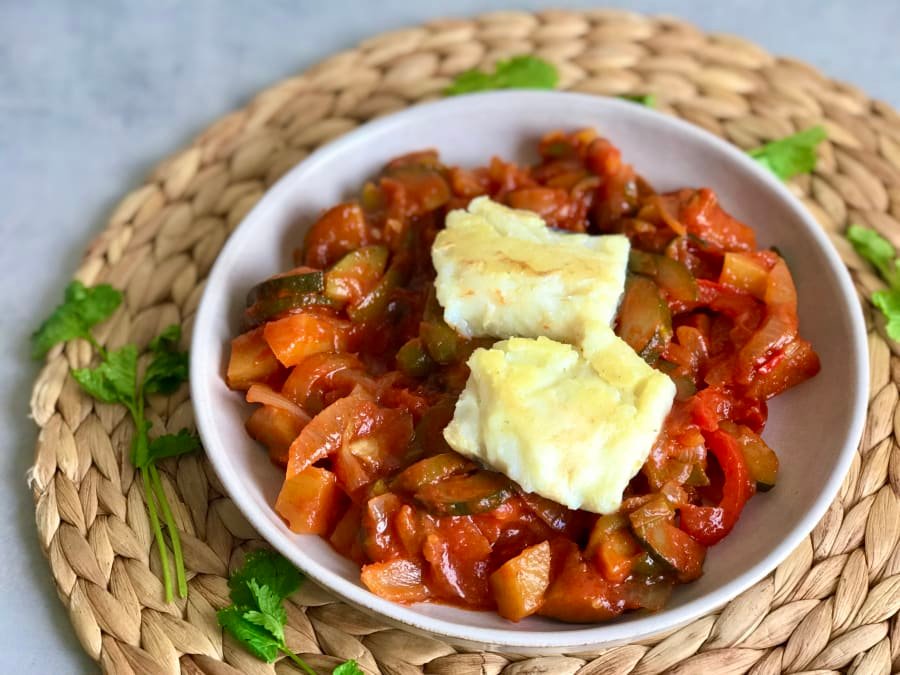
356	375
519	585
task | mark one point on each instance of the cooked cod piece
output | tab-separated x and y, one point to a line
571	428
502	272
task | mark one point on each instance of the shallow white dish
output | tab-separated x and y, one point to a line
814	428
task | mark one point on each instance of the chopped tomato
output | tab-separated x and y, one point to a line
339	230
381	541
702	216
319	373
374	444
457	555
297	336
580	594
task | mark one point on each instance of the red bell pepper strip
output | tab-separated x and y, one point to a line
709	524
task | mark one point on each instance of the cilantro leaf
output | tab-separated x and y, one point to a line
790	155
114	380
880	253
271	614
877	250
256	639
82	309
348	668
889	304
257	617
170	445
519	72
648	100
167	341
266	568
169	367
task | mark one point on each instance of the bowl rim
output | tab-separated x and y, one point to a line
579	636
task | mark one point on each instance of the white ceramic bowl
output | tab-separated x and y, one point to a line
814	428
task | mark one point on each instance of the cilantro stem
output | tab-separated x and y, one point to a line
100	349
300	662
173	530
158	534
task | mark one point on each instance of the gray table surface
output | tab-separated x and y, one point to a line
93	94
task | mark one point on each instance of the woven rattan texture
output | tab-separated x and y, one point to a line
831	606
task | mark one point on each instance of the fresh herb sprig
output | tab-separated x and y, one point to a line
791	155
648	100
882	256
256	618
116	380
82	309
519	72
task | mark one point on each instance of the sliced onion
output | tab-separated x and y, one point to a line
261	393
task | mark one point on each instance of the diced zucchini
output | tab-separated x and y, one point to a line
762	462
440	340
652	524
684	385
479	492
413	359
266	309
287	285
644	321
672	276
374	304
356	273
431	470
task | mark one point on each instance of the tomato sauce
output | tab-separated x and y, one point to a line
357	374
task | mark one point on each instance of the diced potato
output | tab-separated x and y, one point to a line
346	538
519	585
251	360
398	580
744	272
275	429
310	501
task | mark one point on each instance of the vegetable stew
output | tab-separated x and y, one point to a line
356	374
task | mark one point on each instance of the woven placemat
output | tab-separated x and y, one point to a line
831	606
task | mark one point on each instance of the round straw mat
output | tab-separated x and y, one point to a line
830	606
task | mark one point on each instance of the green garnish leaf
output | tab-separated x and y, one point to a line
257	616
82	309
256	639
648	100
877	250
171	445
791	155
889	304
348	668
880	253
169	367
266	568
271	614
114	380
519	72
